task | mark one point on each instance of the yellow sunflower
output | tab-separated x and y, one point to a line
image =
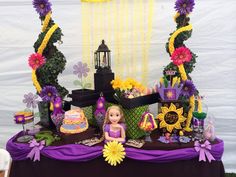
114	153
171	117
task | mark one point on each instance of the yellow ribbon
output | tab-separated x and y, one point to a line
35	81
40	51
46	39
190	114
46	21
182	72
175	34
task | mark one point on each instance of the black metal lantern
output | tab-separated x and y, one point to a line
102	58
104	74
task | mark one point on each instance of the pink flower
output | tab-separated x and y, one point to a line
36	60
181	55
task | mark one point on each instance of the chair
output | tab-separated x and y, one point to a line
5	161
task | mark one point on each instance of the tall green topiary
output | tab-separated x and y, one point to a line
182	21
55	62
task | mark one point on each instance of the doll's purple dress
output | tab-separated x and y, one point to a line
113	134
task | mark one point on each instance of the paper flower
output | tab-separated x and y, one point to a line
42	6
48	93
181	55
113	153
36	60
171	118
81	69
30	100
188	89
184	7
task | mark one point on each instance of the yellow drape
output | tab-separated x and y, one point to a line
95	0
126	27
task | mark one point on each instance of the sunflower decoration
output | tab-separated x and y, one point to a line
171	118
114	153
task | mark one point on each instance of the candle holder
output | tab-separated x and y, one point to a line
199	116
24	118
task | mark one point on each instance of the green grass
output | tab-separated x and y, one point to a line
230	175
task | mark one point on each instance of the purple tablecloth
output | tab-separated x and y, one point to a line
81	153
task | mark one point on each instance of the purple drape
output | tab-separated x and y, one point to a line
80	153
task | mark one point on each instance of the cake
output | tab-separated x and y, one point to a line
74	122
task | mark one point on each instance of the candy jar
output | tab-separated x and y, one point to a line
148	124
100	111
57	115
209	129
199	116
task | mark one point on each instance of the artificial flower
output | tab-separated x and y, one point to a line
171	118
81	69
116	83
181	55
114	153
30	100
48	93
188	88
36	60
184	7
42	6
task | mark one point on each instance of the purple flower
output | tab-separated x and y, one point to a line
81	69
42	6
184	7
30	100
48	93
188	88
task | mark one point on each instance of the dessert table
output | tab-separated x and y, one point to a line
154	159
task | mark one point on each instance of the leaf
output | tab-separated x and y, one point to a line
77	82
87	85
165	82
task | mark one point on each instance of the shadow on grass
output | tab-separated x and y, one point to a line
230	175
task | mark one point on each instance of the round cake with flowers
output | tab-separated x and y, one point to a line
74	122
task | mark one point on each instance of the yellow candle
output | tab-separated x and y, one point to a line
199	105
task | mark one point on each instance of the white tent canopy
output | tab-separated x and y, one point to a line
213	40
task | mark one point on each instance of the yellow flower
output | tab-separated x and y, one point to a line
114	153
116	83
131	81
171	114
127	85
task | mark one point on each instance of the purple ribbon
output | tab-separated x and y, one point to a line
35	152
204	150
